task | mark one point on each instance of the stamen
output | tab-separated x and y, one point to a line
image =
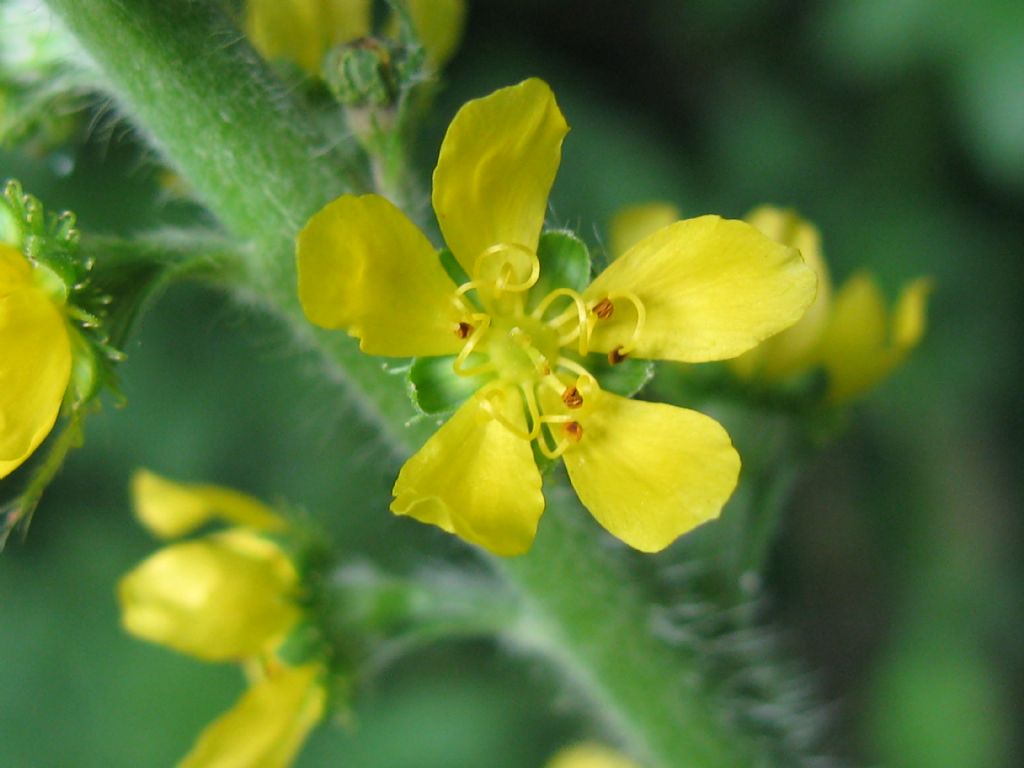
572	365
463	330
484	322
574	431
603	309
507	270
491	409
572	397
616	356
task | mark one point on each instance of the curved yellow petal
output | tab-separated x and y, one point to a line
302	30
587	755
650	472
712	288
363	266
170	509
267	726
35	365
222	597
859	347
439	24
495	170
792	351
476	478
635	222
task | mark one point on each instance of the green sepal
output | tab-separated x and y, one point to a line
303	645
564	263
434	387
625	378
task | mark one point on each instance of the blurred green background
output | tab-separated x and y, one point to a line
896	125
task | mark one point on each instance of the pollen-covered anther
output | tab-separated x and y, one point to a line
463	330
603	309
572	397
574	431
616	356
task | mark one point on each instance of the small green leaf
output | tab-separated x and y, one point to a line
564	263
435	388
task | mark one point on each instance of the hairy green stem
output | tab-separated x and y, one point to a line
200	93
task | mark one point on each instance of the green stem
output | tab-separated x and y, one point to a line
204	98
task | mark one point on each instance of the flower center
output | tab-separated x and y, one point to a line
523	352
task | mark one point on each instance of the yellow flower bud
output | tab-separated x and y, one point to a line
226	596
35	361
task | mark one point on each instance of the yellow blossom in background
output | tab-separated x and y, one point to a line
170	509
303	30
267	726
588	755
863	340
696	290
35	356
851	335
230	595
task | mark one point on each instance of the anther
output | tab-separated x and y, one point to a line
572	397
616	356
603	309
463	330
574	431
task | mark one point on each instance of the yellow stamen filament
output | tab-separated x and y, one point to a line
492	407
605	308
507	270
483	323
572	365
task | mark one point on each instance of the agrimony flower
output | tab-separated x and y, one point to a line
697	290
850	334
303	30
231	595
35	355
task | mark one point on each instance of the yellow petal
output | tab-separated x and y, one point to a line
590	756
650	472
268	725
439	24
495	170
712	288
363	266
226	596
859	348
476	478
302	30
635	222
790	352
35	365
170	509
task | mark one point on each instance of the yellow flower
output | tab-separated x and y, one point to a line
697	290
267	726
588	755
35	356
303	30
850	334
226	596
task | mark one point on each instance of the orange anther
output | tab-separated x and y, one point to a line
572	397
574	431
603	309
462	330
616	356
